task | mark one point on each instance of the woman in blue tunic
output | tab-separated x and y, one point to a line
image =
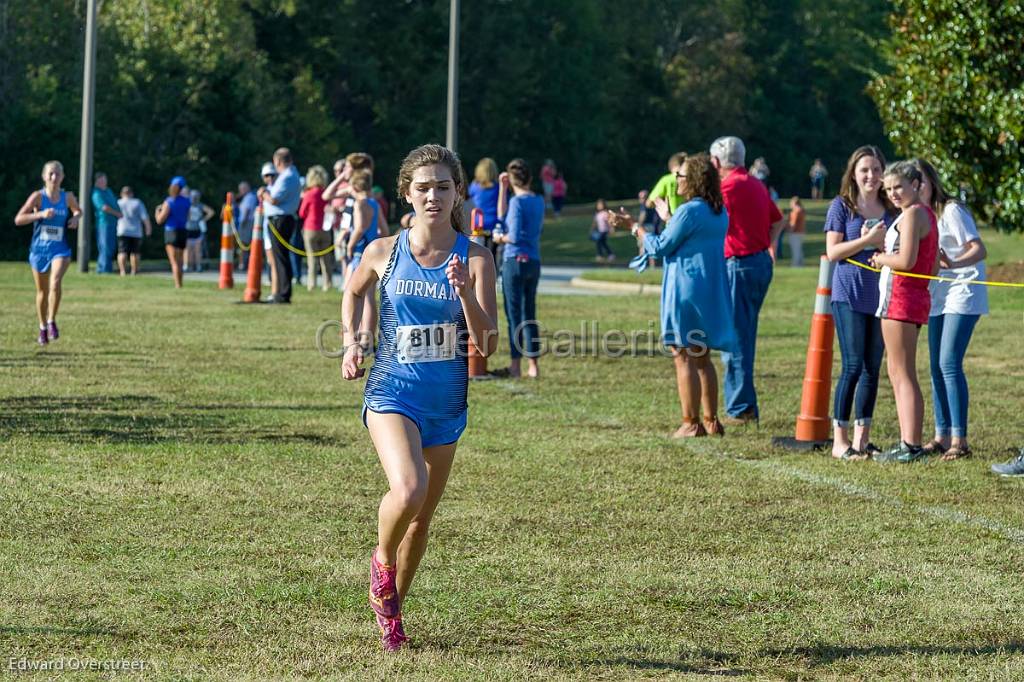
696	311
52	212
436	291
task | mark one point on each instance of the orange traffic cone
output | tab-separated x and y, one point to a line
477	361
476	220
227	251
254	280
812	424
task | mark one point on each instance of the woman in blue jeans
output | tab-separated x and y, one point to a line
956	307
854	228
522	219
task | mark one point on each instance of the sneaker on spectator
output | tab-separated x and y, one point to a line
1015	467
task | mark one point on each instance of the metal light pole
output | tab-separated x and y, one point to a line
85	163
452	128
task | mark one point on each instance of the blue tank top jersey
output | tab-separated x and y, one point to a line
371	232
50	234
177	219
421	358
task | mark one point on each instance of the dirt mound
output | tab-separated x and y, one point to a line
1006	272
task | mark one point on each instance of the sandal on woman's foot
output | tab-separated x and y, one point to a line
844	453
690	430
852	455
870	450
714	427
935	447
956	453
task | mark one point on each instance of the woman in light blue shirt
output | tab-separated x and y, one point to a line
520	267
696	310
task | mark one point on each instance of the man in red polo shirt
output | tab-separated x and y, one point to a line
755	222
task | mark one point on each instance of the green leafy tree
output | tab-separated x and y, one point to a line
209	88
955	95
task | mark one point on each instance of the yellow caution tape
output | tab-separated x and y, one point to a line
238	240
316	254
937	278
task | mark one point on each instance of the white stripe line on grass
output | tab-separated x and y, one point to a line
854	490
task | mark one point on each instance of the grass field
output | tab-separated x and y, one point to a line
186	482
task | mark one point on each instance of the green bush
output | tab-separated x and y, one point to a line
955	95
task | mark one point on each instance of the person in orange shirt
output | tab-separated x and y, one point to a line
797	228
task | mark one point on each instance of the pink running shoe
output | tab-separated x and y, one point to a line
392	634
383	590
43	338
51	331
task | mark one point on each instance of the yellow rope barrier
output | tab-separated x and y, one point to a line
238	240
936	278
316	254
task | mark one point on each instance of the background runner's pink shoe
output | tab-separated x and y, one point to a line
383	591
392	634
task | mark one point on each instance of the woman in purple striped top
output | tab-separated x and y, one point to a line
854	228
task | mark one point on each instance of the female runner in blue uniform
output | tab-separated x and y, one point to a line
52	212
436	289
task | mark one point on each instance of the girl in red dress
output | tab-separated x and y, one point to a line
911	246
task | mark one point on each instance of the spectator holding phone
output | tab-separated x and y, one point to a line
854	228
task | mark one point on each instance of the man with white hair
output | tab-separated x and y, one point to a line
754	224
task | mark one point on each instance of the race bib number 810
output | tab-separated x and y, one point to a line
51	233
425	343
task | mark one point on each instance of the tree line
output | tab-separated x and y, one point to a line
208	88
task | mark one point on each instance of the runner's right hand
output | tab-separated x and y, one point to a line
47	213
350	368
